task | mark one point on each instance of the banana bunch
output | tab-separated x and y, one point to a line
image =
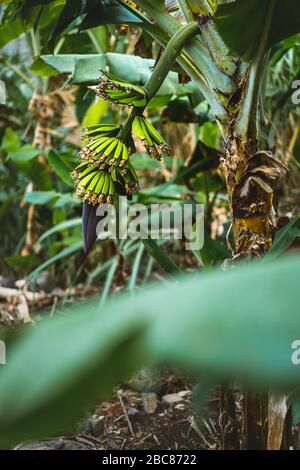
100	130
105	167
97	186
105	152
94	186
118	91
152	140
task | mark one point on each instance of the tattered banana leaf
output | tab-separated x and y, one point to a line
243	23
93	13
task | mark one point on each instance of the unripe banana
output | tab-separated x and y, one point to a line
98	189
154	133
106	185
85	181
110	148
94	144
137	129
119	150
146	133
87	171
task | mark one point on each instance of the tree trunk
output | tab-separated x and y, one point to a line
251	177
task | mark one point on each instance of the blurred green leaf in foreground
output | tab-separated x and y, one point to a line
63	365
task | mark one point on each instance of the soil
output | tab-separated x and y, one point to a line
123	424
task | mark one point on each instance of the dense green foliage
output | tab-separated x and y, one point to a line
238	324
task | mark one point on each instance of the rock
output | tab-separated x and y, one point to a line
146	380
45	282
174	398
133	411
180	406
58	292
7	281
185	393
149	402
97	426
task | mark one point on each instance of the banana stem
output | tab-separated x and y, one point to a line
126	130
193	70
195	49
202	7
216	46
169	57
165	63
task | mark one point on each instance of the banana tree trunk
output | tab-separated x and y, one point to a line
251	177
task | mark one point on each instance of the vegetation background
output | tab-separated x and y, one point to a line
228	314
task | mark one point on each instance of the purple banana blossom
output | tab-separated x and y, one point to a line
89	225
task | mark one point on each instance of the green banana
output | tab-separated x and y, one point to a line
94	144
94	182
109	150
125	154
100	183
86	180
137	129
111	190
87	171
154	133
114	89
140	103
81	166
99	129
119	150
113	174
146	133
101	149
106	184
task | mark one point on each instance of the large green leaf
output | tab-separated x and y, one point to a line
78	368
283	239
61	227
61	167
162	258
241	23
16	21
245	331
112	14
86	70
24	154
65	253
48	65
92	13
10	31
41	197
71	10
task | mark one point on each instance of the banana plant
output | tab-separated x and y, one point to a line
229	69
224	47
225	50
